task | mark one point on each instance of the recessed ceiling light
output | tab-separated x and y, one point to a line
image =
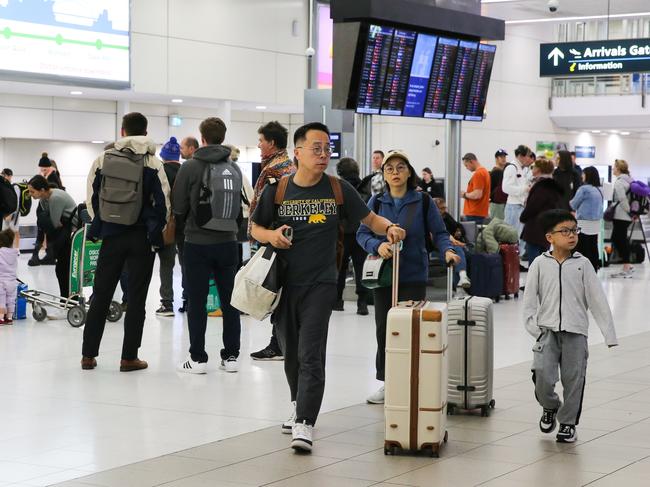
260	107
76	92
625	133
595	131
97	142
177	100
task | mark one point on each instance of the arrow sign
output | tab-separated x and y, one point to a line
556	54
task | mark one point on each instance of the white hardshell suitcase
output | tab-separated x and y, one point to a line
471	354
416	374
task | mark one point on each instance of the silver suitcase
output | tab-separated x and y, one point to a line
471	354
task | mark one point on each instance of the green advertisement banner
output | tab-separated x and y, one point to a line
83	262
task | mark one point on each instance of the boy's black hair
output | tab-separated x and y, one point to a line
550	218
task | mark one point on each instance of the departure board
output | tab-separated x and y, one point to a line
397	75
416	93
442	72
374	68
480	83
462	80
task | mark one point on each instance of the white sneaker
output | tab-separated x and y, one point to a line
302	435
229	365
377	397
622	274
288	425
464	282
192	367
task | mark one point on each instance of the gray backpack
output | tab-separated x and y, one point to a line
120	194
219	204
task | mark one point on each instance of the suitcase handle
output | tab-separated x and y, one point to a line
395	333
432	335
393	426
395	283
430	428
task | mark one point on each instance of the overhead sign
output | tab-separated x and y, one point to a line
594	57
585	152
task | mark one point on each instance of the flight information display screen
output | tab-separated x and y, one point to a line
406	73
441	76
397	76
373	71
462	80
416	94
480	83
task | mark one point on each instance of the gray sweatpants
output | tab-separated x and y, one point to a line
167	256
566	353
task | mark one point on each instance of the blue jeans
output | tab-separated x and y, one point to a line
533	251
461	266
512	213
201	262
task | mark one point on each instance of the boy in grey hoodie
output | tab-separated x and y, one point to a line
561	286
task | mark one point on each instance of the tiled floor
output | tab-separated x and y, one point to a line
505	450
59	423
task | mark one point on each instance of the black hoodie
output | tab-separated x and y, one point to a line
186	195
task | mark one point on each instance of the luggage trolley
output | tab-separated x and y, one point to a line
83	262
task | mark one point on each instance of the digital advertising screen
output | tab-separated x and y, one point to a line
461	80
480	83
397	75
66	40
441	76
374	68
416	93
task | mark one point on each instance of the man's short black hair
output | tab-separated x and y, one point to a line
522	150
134	123
380	152
275	132
213	130
301	133
550	218
7	171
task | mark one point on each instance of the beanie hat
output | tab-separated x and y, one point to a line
171	151
44	161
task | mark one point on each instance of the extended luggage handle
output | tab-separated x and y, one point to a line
395	280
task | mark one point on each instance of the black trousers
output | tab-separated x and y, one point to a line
588	246
180	248
620	240
203	262
352	250
59	242
133	248
303	316
383	303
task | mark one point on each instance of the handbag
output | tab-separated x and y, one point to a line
377	272
258	285
169	232
608	214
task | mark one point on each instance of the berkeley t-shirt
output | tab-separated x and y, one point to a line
312	213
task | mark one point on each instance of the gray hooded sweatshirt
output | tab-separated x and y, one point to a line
186	195
557	297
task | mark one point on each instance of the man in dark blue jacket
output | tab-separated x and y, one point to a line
131	244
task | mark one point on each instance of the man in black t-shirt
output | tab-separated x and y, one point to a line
310	208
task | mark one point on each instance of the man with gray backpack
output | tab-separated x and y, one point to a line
207	198
128	201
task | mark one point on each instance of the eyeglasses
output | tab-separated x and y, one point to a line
567	231
396	169
318	150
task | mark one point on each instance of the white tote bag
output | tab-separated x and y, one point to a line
257	287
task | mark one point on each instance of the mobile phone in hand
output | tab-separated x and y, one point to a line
288	233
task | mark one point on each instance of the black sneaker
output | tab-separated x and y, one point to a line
362	308
566	434
338	306
547	422
183	307
34	261
267	353
165	311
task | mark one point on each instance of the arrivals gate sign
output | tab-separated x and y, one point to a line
594	57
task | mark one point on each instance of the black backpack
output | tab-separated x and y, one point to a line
8	198
24	198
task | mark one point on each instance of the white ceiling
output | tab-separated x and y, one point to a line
535	9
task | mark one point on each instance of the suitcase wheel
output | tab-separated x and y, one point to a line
446	437
507	297
516	295
497	299
484	412
492	404
450	411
